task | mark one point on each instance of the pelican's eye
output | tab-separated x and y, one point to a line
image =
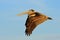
32	10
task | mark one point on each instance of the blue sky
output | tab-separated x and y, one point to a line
12	27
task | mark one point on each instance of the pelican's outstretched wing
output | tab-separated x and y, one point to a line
32	22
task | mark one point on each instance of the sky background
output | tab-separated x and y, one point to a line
12	27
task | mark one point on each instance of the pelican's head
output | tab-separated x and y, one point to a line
27	12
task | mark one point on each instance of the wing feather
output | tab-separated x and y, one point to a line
32	22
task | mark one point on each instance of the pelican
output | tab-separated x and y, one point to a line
34	18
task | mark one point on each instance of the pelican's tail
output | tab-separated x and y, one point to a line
49	18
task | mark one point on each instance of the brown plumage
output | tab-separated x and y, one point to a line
34	19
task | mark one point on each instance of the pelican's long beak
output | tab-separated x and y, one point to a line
23	13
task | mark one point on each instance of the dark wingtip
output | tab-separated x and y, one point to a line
49	18
27	32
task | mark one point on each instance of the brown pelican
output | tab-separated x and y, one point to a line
34	18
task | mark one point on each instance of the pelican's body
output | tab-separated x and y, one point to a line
34	19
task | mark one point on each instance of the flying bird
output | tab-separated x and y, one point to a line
34	18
